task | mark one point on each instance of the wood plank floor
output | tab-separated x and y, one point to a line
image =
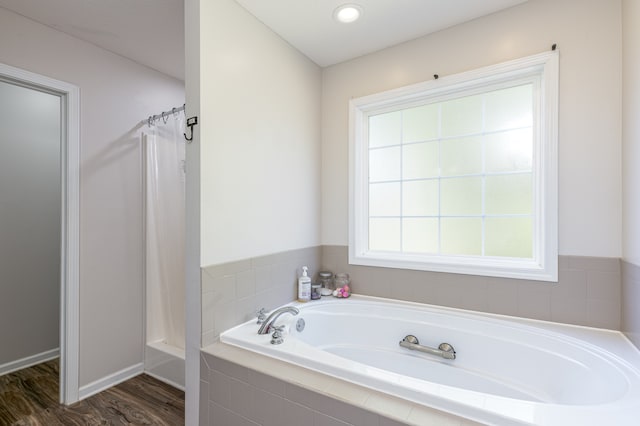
30	398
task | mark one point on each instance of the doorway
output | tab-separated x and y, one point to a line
41	208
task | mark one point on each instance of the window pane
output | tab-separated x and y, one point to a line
384	199
385	129
420	160
462	116
509	108
509	194
461	236
461	156
384	164
509	237
509	151
461	196
384	234
420	198
420	123
420	235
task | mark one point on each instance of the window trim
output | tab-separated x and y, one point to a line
544	264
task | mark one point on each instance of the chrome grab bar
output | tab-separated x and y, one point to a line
444	350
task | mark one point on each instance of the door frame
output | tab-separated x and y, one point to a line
70	223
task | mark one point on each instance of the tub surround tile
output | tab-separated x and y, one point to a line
301	396
320	419
204	402
296	414
266	383
429	417
534	301
631	302
599	285
588	292
233	292
220	416
585	294
266	409
588	263
569	311
246	283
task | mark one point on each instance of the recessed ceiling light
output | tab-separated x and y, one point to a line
347	13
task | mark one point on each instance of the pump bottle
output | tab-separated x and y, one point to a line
304	286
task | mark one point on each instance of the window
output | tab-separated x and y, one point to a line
459	174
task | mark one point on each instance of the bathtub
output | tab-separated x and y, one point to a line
506	371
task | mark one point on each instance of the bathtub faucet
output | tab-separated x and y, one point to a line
265	328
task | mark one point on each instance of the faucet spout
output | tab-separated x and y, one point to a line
265	328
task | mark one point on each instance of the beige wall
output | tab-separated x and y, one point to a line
257	156
631	173
589	38
115	95
631	131
260	151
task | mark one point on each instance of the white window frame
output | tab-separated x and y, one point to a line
543	265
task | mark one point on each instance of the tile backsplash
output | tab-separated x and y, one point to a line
233	292
631	301
589	290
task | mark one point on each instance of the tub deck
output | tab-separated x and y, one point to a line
600	367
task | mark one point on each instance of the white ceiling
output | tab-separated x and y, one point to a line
309	26
151	32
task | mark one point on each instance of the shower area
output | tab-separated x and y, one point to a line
164	227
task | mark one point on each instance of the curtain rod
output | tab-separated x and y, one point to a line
164	115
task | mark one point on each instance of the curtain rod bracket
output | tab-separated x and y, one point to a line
191	121
553	47
436	76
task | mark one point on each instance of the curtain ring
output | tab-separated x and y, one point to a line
165	117
149	122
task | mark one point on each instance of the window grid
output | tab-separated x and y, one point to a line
482	175
370	243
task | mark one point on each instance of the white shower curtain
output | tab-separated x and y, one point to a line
165	231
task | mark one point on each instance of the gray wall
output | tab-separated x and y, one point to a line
115	95
30	209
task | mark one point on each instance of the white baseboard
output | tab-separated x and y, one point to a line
29	361
110	381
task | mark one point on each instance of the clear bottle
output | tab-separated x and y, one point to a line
341	280
326	282
304	286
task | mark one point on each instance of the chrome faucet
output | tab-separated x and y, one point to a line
266	326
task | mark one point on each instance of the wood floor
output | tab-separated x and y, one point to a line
30	398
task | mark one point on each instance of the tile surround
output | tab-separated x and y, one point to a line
630	302
233	292
589	290
241	392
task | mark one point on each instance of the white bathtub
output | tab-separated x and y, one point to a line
507	371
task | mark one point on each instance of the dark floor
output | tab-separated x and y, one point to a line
30	398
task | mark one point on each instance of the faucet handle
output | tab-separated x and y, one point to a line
276	337
262	315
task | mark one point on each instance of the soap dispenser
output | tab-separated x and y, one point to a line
304	286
